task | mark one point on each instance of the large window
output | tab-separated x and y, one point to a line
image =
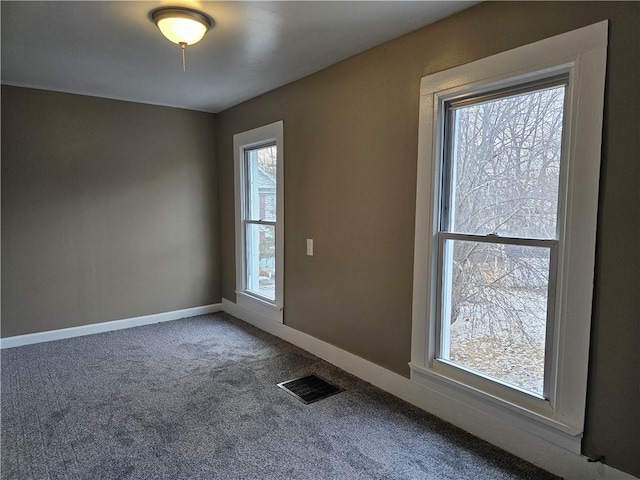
506	207
498	234
259	218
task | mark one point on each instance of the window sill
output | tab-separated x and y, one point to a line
550	429
261	307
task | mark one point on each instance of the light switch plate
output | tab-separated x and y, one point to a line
310	247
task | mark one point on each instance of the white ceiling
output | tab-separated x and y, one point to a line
112	49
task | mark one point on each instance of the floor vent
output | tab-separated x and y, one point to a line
309	389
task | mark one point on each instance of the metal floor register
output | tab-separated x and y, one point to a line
309	389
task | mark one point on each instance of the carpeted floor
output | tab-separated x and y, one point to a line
197	399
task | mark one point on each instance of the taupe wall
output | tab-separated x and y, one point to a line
350	172
109	210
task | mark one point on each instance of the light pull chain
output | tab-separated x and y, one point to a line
183	46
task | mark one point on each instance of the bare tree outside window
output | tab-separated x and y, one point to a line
503	171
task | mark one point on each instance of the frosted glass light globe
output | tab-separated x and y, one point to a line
182	30
181	25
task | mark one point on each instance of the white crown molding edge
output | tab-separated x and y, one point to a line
31	338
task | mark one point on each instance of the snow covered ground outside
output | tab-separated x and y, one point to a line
508	350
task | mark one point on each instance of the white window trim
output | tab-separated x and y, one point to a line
259	136
581	53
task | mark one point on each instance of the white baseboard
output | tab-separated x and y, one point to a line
48	336
540	452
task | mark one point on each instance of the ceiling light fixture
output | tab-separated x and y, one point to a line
182	26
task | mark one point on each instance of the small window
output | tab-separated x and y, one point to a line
259	219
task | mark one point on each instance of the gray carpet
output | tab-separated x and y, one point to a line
197	399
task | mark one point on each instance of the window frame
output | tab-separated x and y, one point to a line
243	143
249	220
581	56
446	232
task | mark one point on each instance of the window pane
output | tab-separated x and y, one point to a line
505	165
261	183
261	260
495	310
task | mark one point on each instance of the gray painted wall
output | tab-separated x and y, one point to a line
350	175
109	210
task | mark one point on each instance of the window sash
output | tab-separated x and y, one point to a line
449	135
511	91
441	326
260	222
248	252
246	152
